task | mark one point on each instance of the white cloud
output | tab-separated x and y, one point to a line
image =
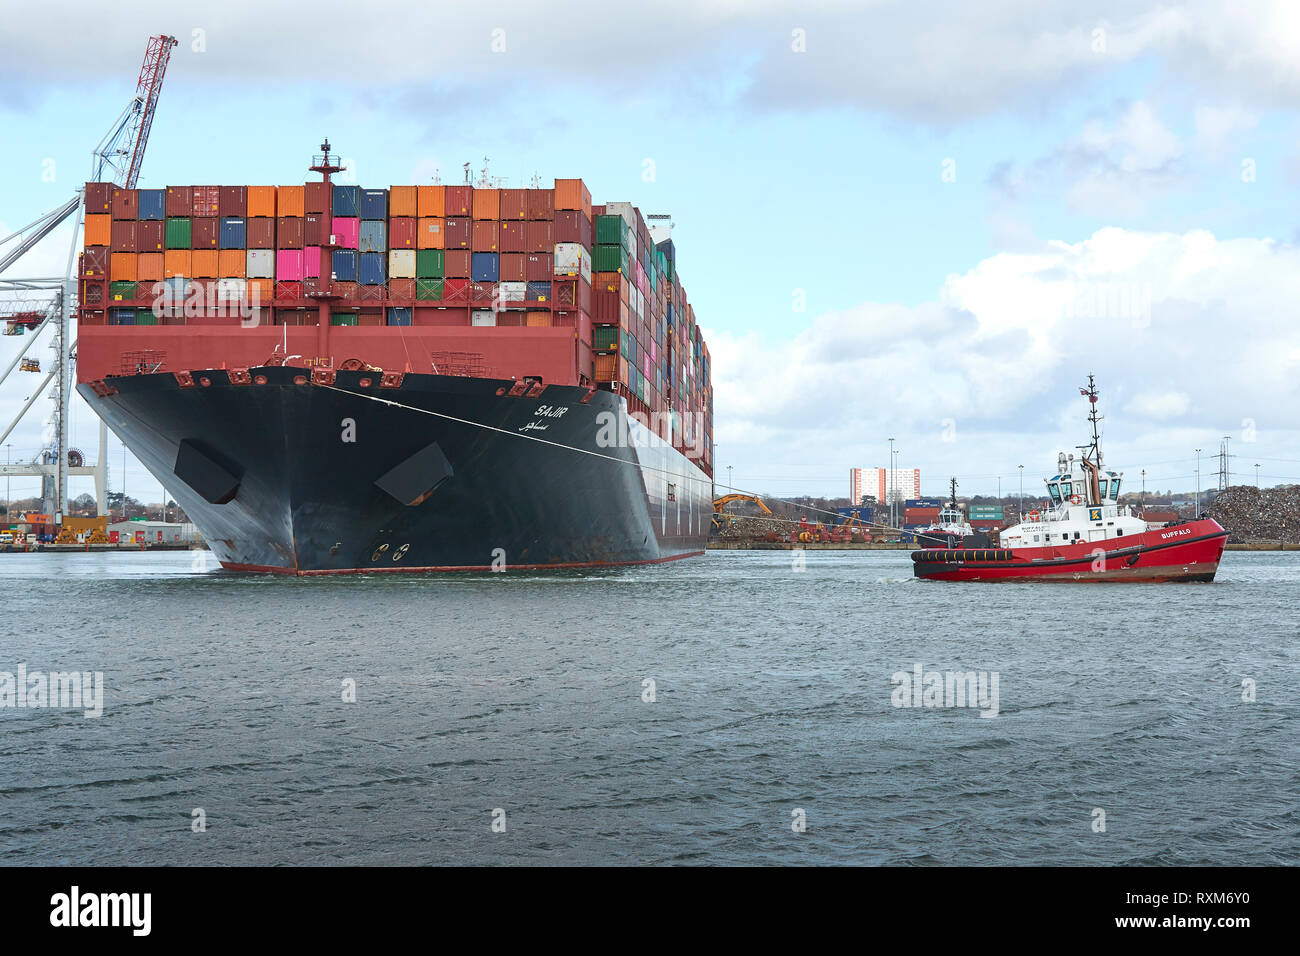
942	61
1186	333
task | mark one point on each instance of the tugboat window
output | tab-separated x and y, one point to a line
1105	488
1114	489
1065	488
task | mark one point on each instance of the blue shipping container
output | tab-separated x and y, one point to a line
538	292
864	513
153	204
121	316
374	204
343	263
399	316
233	233
374	266
374	236
347	201
923	503
486	267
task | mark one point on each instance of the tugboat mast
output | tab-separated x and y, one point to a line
1092	454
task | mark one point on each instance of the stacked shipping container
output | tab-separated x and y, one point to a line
416	255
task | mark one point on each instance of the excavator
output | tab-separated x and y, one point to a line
722	518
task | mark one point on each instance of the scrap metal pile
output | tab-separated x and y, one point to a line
1254	514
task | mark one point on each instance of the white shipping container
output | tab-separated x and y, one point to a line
261	264
623	209
572	258
631	247
482	317
401	264
230	290
512	291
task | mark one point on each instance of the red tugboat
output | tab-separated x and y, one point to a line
1085	535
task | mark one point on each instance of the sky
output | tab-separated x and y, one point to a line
926	221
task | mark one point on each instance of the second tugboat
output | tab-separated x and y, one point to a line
1085	535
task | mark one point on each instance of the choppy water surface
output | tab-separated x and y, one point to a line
772	690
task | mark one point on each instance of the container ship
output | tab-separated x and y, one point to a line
335	379
1084	534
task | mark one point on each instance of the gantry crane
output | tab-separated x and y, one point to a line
118	159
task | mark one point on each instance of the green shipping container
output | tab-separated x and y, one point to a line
343	318
612	231
120	291
622	342
177	235
609	259
604	337
428	288
429	264
145	317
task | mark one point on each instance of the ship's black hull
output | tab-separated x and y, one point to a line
283	475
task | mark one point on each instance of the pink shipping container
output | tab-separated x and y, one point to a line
288	265
311	262
346	231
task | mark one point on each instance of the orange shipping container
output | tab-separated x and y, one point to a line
402	201
204	264
261	201
429	234
431	201
573	194
121	267
98	228
487	204
290	200
149	267
261	291
539	320
176	262
233	261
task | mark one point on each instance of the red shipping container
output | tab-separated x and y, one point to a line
456	290
126	204
538	267
99	198
572	226
233	201
316	229
483	293
347	291
203	233
514	266
289	232
456	264
538	237
609	308
207	201
94	261
456	233
400	290
149	235
401	232
316	197
261	233
180	202
288	290
459	201
371	293
513	236
514	204
123	236
573	294
485	236
541	204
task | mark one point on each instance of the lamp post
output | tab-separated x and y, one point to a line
1144	490
1020	502
1227	462
1256	474
8	461
729	486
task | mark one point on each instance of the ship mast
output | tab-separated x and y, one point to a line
1092	454
323	291
952	492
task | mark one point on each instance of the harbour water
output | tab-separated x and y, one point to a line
738	708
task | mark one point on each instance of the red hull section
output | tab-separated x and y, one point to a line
1186	552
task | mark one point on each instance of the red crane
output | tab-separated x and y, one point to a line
147	87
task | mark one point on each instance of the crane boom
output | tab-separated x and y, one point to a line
147	88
